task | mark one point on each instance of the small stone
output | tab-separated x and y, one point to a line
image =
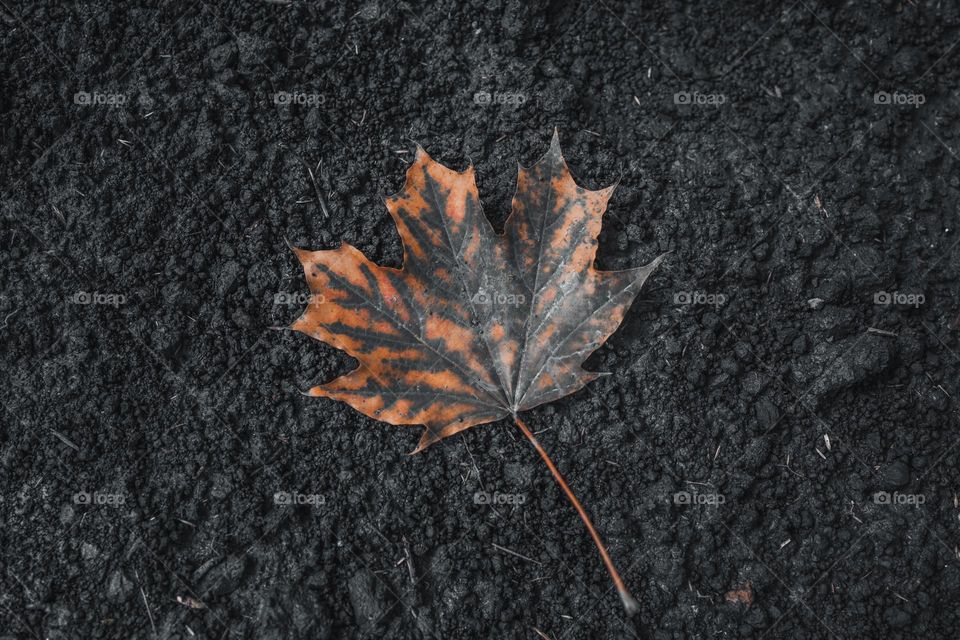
118	586
766	412
896	474
753	383
367	599
227	277
800	345
223	56
223	578
897	617
220	486
88	551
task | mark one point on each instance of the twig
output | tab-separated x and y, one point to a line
475	468
514	553
320	199
146	604
9	315
64	439
406	553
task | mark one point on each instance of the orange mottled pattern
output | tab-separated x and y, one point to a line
477	325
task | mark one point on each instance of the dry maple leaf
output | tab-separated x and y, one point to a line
476	326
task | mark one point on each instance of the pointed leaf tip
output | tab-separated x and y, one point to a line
555	143
607	192
660	258
297	251
426	439
552	155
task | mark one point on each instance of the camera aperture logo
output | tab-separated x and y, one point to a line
499	298
108	299
97	99
300	98
499	98
297	499
898	99
693	498
698	99
297	299
887	298
97	498
897	498
485	497
699	298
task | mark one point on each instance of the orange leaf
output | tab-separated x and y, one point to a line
476	326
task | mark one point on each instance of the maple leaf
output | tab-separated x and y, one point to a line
476	326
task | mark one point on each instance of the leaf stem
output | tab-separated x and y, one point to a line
629	603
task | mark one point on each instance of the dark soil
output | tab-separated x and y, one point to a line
145	434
